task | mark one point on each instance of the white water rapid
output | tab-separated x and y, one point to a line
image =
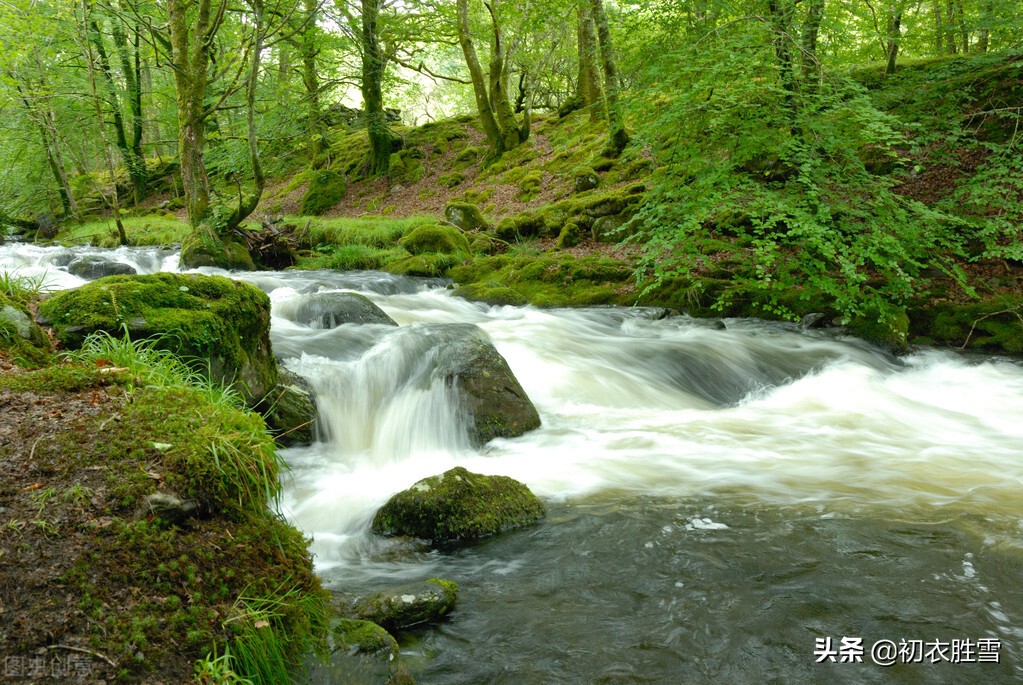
708	487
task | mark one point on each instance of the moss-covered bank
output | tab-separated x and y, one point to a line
130	596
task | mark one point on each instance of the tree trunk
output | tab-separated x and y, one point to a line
498	83
93	39
479	84
311	79
811	70
781	12
133	160
617	138
131	66
588	91
892	49
190	62
380	136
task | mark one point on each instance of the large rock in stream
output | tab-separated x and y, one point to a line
330	310
497	405
458	505
220	326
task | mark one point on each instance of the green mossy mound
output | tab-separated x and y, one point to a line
326	188
399	608
221	326
994	325
198	249
466	216
152	598
546	280
428	265
21	338
435	238
584	208
458	505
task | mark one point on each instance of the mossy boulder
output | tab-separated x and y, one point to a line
493	397
198	249
356	636
20	336
435	238
466	216
570	235
221	326
429	265
888	332
458	505
330	310
405	606
584	178
326	188
91	267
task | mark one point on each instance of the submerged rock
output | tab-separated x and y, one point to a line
93	267
495	401
458	505
407	605
219	325
330	310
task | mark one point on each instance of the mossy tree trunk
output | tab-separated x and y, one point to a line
191	39
588	90
131	68
479	84
193	27
130	153
892	45
90	40
617	138
380	136
498	82
811	71
309	50
497	115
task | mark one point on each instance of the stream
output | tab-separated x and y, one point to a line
746	504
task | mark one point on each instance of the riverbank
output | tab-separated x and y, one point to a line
139	533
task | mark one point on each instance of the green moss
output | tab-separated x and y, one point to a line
530	185
427	265
458	505
326	188
890	331
993	325
550	279
465	215
21	338
435	238
220	324
468	154
570	235
200	248
450	180
354	636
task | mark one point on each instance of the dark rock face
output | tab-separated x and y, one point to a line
330	310
458	505
494	399
291	410
92	267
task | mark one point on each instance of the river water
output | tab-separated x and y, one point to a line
745	504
